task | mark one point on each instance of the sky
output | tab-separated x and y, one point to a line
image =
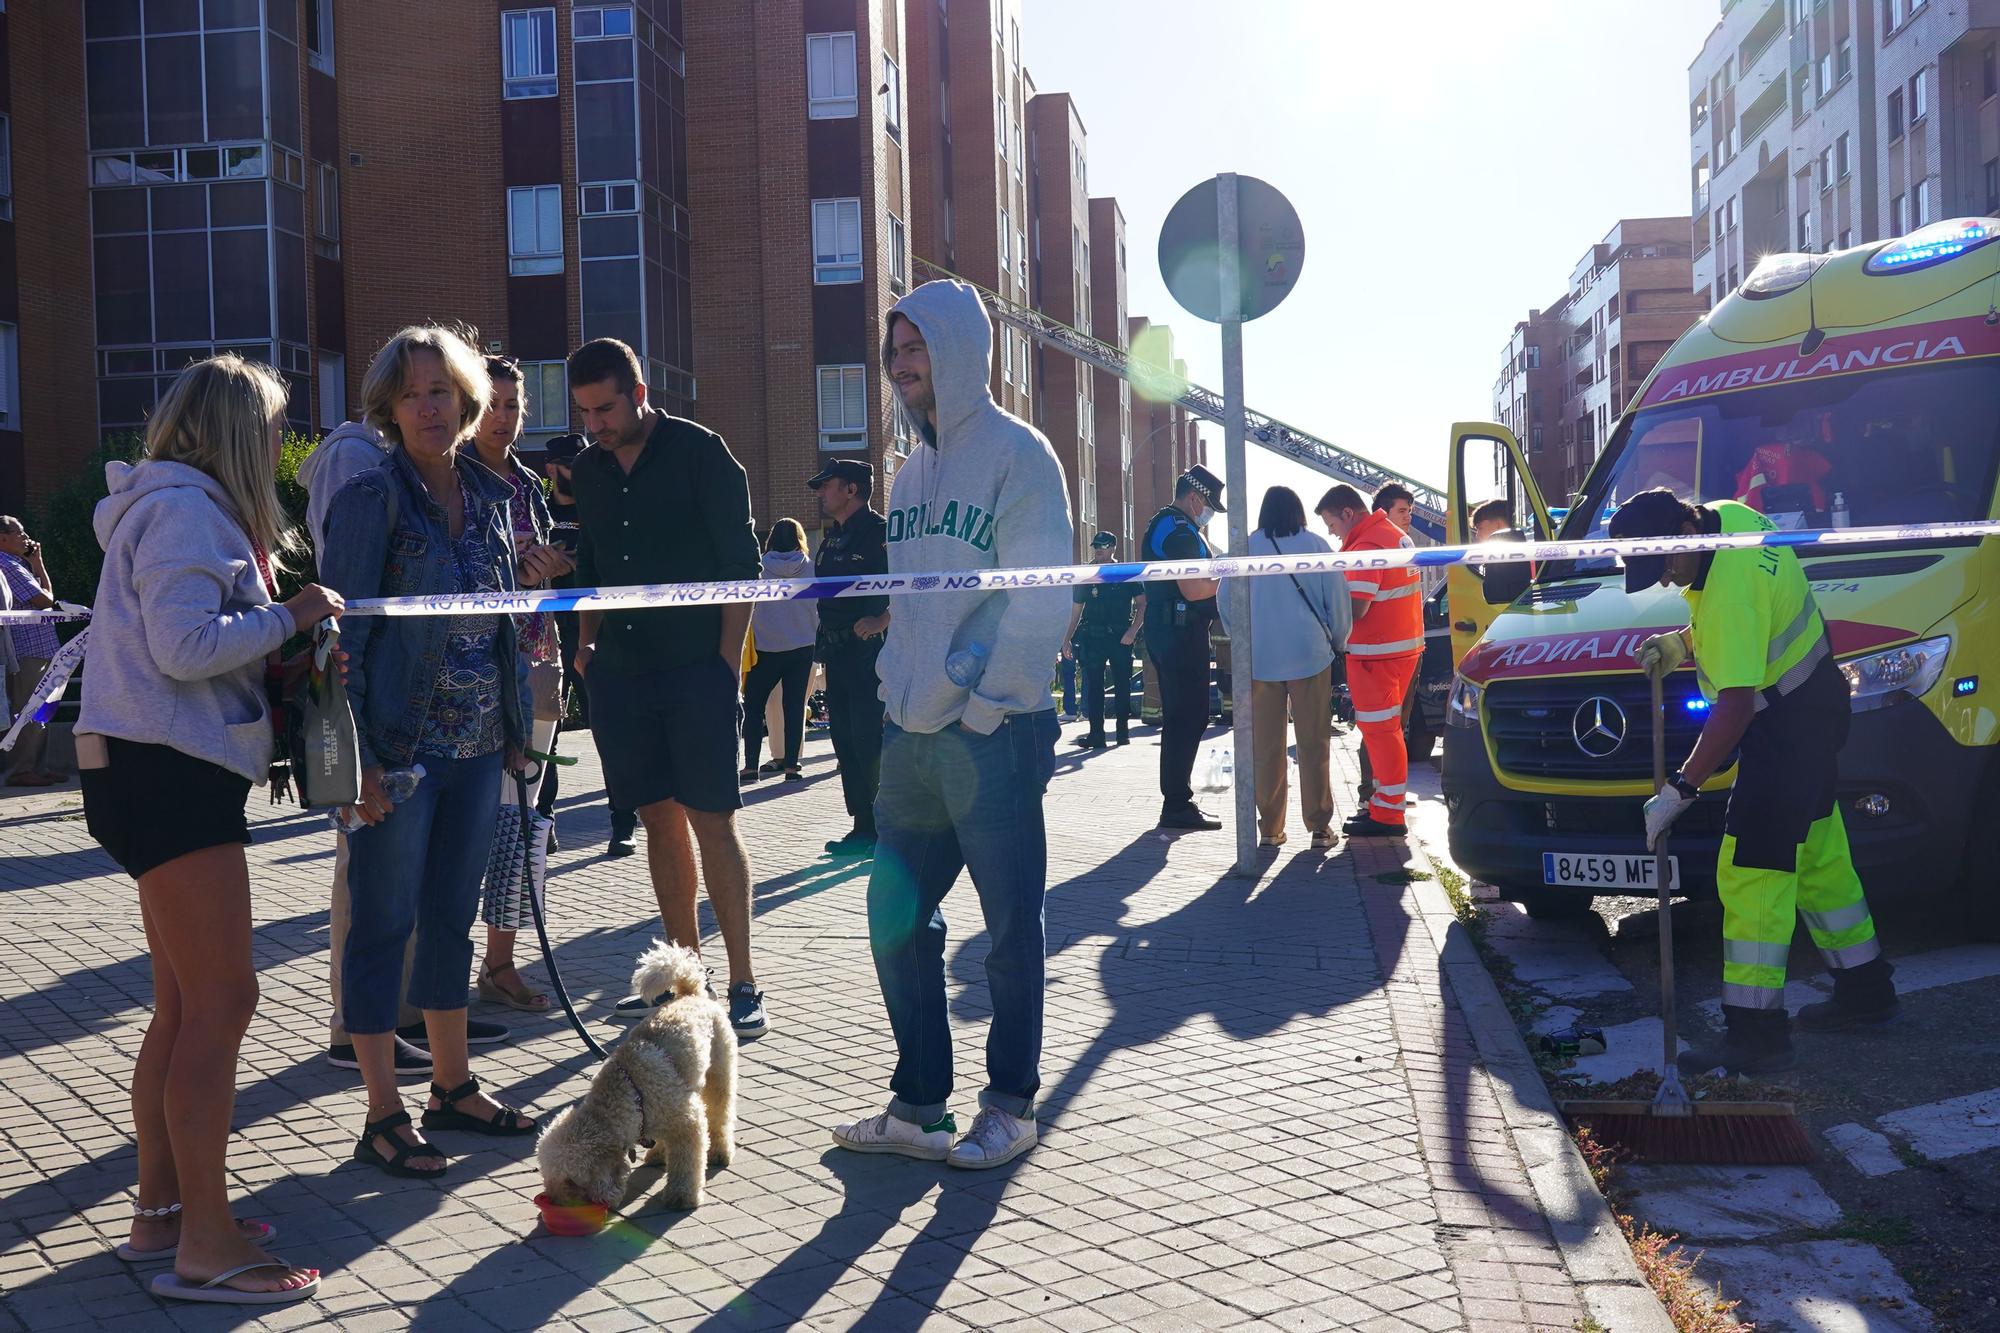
1451	162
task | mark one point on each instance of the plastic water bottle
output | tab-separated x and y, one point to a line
398	784
1841	518
1219	772
967	665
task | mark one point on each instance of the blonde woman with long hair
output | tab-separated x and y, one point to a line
174	731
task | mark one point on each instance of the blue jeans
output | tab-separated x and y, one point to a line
420	869
953	800
1067	670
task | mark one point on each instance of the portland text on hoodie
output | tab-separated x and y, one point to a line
984	492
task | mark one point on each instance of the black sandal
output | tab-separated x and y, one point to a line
506	1122
397	1164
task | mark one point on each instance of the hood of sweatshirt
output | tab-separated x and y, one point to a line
336	441
787	564
959	338
130	483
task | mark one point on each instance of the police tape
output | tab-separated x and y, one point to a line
64	613
40	705
754	591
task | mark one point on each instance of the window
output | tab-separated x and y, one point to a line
1843	156
1846	239
1898	216
10	377
601	21
836	241
1844	58
534	229
1022	378
1993	185
1895	115
528	52
326	211
1000	114
899	255
830	75
1826	168
1006	356
843	407
1006	243
1532	358
1989	74
611	197
1892	15
1805	233
332	390
892	111
1823	71
1920	95
1921	210
546	383
6	167
319	34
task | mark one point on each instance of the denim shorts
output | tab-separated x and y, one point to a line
669	735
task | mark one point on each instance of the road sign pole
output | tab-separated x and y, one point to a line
1230	261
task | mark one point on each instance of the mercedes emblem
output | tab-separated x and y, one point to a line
1598	727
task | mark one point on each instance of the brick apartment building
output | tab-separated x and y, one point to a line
1111	394
1570	370
1166	440
1527	396
246	183
1062	285
1824	124
739	189
800	185
969	161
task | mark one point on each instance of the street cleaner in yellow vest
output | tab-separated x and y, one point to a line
1761	655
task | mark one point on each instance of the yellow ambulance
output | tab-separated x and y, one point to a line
1853	389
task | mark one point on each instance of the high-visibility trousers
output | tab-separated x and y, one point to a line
1760	910
1378	685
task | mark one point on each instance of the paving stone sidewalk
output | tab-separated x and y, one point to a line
1261	1101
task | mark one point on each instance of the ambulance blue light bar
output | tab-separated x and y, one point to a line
1697	704
1936	244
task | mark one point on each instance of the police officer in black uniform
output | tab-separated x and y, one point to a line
1178	615
1101	634
850	638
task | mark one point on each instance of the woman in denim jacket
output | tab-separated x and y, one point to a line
449	693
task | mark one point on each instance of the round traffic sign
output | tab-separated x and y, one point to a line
1270	240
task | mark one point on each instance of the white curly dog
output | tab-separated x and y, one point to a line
672	1082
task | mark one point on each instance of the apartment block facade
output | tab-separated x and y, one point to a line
1527	396
969	162
1823	124
1111	395
1570	370
800	184
1061	282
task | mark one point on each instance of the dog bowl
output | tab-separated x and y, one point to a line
572	1219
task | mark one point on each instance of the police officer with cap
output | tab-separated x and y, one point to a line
850	639
1763	661
1101	632
1177	620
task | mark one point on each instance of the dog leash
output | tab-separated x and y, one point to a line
541	926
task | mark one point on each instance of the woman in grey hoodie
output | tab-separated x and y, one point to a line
784	634
174	731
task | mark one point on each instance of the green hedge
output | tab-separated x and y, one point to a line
69	544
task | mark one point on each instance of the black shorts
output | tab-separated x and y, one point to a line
669	735
154	804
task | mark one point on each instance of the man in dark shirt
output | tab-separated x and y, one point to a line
662	500
1101	631
850	639
1177	620
558	457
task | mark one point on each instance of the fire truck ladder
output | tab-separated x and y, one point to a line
1162	385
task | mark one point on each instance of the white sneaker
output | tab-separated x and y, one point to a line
995	1138
886	1133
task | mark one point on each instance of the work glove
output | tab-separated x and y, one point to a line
1662	809
1661	654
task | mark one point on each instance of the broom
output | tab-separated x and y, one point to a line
1673	1127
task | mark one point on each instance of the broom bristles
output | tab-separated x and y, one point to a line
1748	1133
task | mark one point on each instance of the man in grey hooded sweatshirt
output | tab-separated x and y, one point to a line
969	744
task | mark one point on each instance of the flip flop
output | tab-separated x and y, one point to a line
174	1287
257	1233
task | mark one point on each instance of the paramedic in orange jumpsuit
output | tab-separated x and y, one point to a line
1383	649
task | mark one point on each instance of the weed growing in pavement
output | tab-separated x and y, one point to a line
1404	876
1668	1269
1871	1228
1907	1154
1588	1324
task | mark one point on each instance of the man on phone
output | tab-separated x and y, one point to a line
28	580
